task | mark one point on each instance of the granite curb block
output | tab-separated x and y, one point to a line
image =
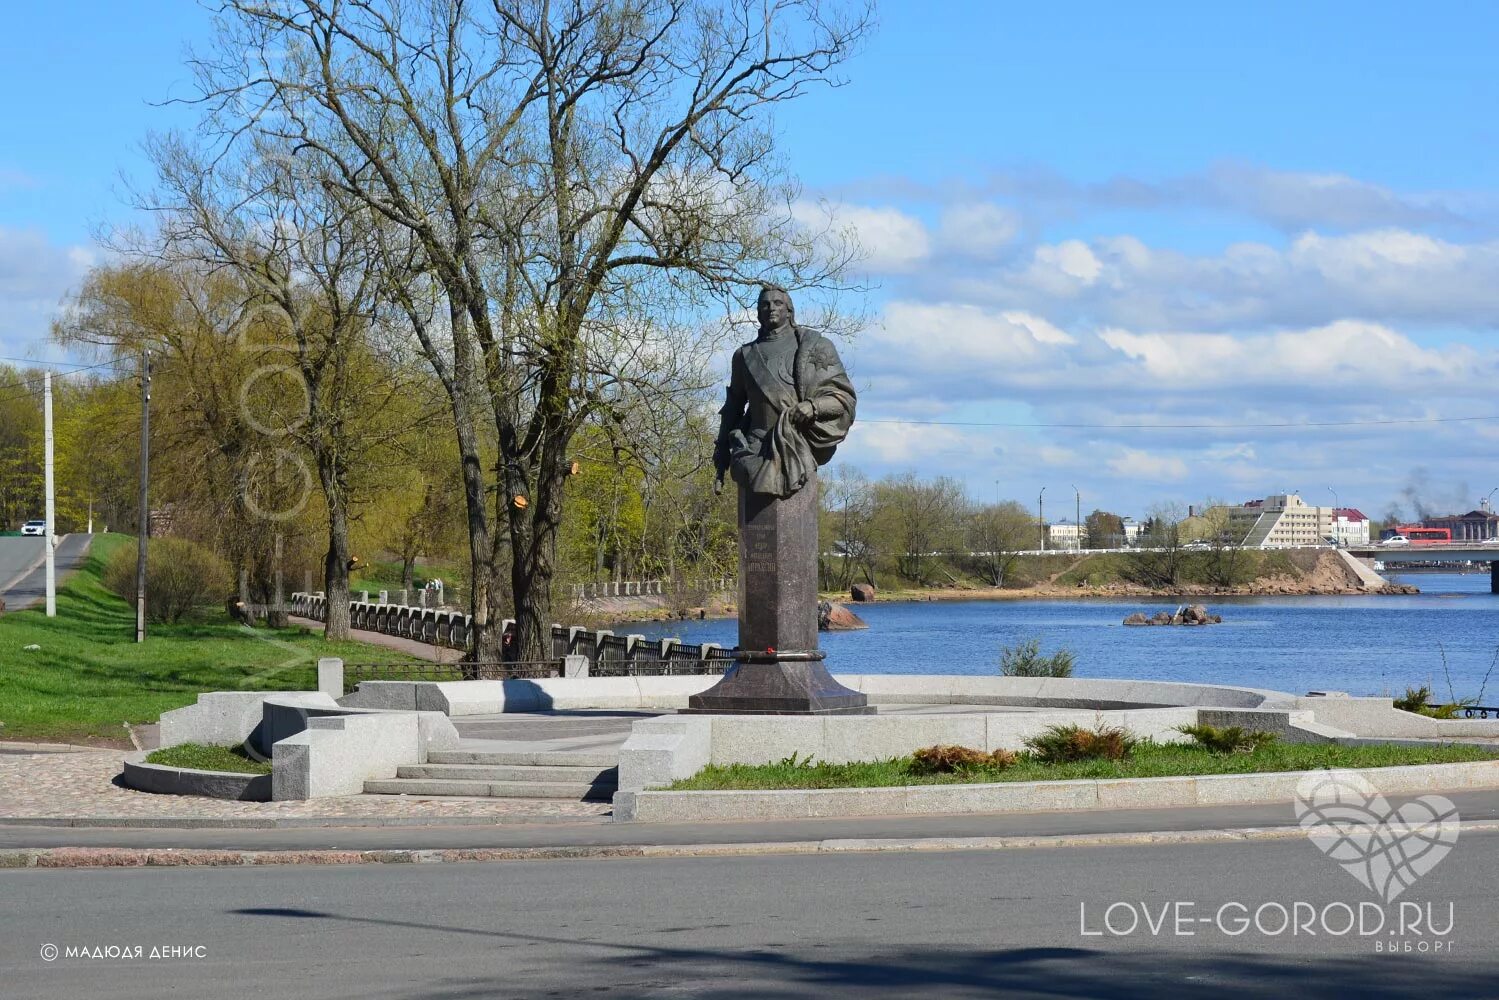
122	857
1024	797
169	779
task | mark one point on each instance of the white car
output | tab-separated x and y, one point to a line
34	528
1396	540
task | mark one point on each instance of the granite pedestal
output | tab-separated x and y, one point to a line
778	668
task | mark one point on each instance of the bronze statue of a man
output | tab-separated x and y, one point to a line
790	404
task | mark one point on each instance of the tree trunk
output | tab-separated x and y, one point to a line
244	595
534	554
408	571
336	569
277	616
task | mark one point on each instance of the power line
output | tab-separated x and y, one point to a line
1168	427
49	364
36	380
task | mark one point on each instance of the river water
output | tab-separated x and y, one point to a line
1362	645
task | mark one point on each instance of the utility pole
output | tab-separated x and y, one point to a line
50	541
144	517
1041	516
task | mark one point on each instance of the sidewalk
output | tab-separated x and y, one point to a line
79	786
420	650
44	846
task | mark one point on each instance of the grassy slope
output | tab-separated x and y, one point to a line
1148	761
90	676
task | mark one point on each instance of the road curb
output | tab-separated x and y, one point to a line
123	857
291	822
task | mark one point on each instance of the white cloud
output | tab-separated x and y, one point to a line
1382	275
1348	351
892	241
978	229
1137	464
1052	455
933	340
35	275
1288	200
901	444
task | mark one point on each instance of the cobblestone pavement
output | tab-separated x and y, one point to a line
80	785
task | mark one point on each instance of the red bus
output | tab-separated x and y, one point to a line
1420	535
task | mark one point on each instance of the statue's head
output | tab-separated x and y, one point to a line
774	308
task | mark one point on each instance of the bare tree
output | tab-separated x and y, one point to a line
1224	535
574	179
921	518
997	534
1158	563
848	501
306	256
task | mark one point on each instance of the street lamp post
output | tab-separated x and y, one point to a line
1041	516
1337	539
1077	518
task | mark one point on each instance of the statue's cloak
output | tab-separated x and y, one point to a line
780	461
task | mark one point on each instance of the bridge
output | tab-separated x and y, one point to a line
1436	552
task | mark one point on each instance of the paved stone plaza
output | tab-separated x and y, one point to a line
82	785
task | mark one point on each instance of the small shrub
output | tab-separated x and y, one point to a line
1062	743
1418	700
1415	699
942	759
1227	739
796	761
1025	660
180	576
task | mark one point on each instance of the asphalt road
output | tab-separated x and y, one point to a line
23	578
963	924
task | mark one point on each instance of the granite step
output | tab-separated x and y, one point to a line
576	791
590	773
568	758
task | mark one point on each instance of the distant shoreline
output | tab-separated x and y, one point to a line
648	611
1193	592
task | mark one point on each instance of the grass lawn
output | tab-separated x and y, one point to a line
209	758
1149	760
90	677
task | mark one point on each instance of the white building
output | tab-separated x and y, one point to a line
1063	535
1284	520
1350	526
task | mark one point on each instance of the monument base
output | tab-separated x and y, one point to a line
790	683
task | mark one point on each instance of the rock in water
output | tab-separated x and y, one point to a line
836	618
1191	614
862	593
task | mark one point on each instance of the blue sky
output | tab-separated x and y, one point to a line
1095	213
